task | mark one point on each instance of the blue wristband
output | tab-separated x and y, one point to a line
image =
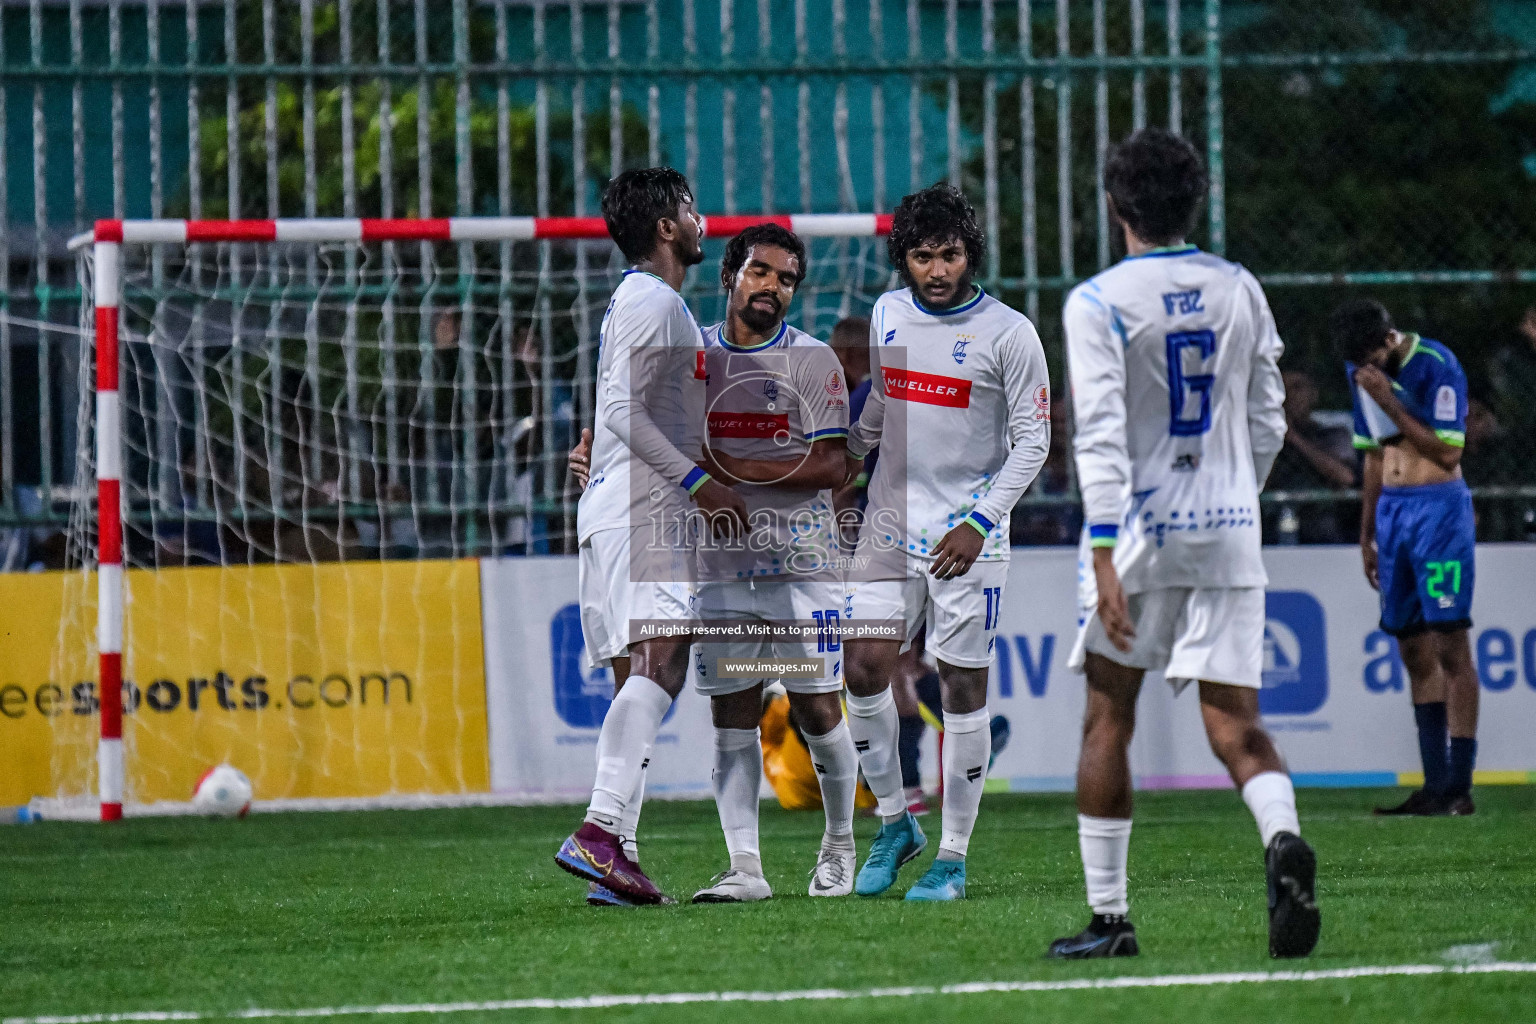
980	522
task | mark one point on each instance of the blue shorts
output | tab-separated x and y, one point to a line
1425	543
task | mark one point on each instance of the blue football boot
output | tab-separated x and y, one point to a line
895	844
942	882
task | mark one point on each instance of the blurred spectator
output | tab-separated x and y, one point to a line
1318	455
1319	452
850	340
1492	456
1059	522
1513	375
516	443
31	548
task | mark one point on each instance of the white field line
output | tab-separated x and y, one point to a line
793	995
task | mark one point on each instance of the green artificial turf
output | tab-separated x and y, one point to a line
314	910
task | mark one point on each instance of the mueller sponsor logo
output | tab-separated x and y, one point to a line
747	424
928	388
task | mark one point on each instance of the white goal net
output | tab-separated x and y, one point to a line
315	438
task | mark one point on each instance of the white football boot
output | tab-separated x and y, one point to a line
833	873
734	887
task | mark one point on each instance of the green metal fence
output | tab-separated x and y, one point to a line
1387	147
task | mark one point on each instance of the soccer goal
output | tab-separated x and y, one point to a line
304	434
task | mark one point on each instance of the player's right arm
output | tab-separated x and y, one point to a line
1370	494
864	435
1096	366
648	345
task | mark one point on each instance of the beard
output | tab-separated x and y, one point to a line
758	318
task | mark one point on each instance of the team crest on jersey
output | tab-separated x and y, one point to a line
1043	402
962	340
834	385
771	390
1445	403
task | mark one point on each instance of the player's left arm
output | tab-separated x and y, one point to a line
1027	391
1266	390
821	395
821	467
1440	441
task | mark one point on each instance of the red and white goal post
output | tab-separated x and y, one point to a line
106	247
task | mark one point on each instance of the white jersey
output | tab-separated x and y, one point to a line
1176	391
961	409
649	432
772	402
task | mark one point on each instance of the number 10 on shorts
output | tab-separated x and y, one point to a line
827	636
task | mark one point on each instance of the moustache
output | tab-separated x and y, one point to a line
765	295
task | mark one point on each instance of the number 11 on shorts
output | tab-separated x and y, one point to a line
994	597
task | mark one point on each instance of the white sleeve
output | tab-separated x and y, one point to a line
1266	390
1025	380
650	345
865	434
1096	365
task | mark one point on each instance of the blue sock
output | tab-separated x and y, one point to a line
1463	757
1432	745
909	734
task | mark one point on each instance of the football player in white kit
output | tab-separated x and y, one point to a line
1177	396
961	411
778	427
778	424
636	534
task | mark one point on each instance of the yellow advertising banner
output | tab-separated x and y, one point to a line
335	680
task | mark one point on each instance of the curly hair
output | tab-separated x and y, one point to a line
634	202
1157	182
1358	328
939	213
740	246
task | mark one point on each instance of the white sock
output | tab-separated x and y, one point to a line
1106	844
967	749
629	825
1272	799
628	731
873	724
737	779
837	769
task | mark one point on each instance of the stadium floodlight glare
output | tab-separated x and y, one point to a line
291	269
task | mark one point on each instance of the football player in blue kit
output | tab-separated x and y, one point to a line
1417	534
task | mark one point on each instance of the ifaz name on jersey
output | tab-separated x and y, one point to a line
927	388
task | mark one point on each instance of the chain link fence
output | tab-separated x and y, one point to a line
1384	148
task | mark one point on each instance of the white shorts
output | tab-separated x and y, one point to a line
770	602
961	613
1215	635
611	600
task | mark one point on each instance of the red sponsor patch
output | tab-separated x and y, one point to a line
928	388
699	370
747	424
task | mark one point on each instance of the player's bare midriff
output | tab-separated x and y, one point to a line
1402	466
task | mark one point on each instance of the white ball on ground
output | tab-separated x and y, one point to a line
223	791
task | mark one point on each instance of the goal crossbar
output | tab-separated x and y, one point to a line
106	239
451	229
